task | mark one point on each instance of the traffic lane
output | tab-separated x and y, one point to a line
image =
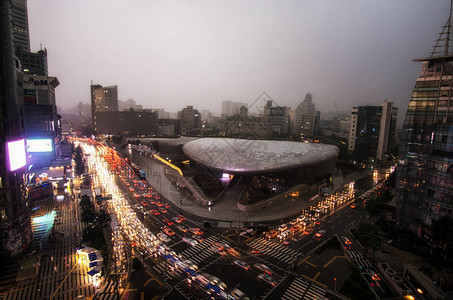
247	281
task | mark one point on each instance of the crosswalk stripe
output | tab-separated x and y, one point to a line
293	295
297	289
318	289
311	295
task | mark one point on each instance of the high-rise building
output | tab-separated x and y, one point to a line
372	131
190	120
19	18
387	131
15	225
425	161
103	99
128	104
231	108
277	118
31	63
307	118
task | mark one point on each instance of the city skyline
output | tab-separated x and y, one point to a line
172	54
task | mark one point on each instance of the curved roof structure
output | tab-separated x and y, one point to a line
238	156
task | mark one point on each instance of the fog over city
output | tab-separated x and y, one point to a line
169	54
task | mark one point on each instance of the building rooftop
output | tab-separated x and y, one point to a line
257	156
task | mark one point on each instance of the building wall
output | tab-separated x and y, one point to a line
19	18
15	225
106	98
425	160
387	130
307	119
33	63
372	130
245	126
127	122
39	89
190	121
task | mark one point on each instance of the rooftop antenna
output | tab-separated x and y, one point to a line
442	47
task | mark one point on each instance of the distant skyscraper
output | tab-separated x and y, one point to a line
106	98
103	99
307	118
190	120
425	162
277	118
231	108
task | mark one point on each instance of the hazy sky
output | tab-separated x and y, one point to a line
169	54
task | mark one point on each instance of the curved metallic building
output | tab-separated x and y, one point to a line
250	157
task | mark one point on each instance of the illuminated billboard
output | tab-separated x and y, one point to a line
16	154
39	145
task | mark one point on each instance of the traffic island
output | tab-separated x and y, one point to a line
326	265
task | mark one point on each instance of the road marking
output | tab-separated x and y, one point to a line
340	222
316	276
307	244
127	289
332	227
333	258
69	273
153	278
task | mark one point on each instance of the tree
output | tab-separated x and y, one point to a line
136	264
88	216
102	219
85	203
78	159
367	234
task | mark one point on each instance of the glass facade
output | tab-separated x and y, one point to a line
425	162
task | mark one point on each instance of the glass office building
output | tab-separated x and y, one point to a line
425	162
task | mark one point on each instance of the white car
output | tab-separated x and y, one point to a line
163	237
263	268
241	264
268	279
190	241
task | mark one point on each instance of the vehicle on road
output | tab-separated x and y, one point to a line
263	268
168	231
266	277
163	237
237	294
168	222
182	228
190	241
196	230
198	238
320	233
177	220
347	243
241	264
